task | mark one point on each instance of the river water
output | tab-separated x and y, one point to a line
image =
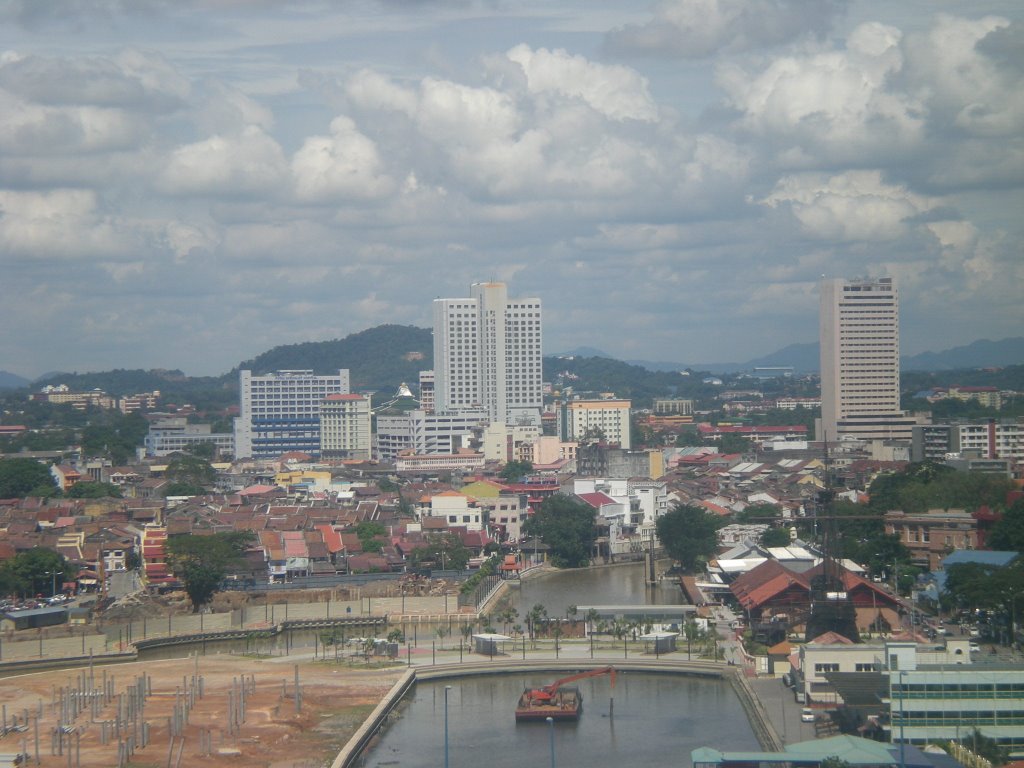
656	719
611	585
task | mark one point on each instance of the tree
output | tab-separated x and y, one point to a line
22	477
89	490
35	571
566	525
689	535
370	535
986	747
190	470
202	562
515	470
775	537
760	512
1008	533
444	551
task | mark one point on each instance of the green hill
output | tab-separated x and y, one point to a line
378	358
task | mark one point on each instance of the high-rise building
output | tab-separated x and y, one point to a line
345	427
280	412
596	421
860	361
487	354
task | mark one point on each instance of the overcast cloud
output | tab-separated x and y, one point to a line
187	184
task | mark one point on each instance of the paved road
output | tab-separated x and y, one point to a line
123	583
782	709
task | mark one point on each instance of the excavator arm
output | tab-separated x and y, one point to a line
548	691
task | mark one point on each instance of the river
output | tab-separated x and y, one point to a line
606	585
656	719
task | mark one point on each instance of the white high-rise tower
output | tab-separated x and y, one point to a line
488	354
860	361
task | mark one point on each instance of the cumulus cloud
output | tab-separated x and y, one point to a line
619	93
857	205
962	81
699	28
129	80
63	223
343	165
248	163
835	105
190	172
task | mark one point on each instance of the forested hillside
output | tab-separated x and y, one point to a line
377	358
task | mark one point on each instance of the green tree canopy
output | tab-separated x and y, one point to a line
514	470
444	551
928	485
371	535
979	585
35	571
775	537
761	512
192	470
202	562
1008	533
689	535
24	477
566	525
90	490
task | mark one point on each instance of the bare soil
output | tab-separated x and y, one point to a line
336	698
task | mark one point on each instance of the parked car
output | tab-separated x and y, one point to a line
974	648
807	715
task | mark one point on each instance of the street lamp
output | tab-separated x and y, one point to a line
551	730
903	761
446	689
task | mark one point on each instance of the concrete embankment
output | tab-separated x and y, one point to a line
377	720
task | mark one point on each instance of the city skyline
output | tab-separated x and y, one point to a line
186	185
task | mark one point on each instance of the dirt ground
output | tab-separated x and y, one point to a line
336	698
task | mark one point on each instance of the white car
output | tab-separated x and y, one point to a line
974	648
807	715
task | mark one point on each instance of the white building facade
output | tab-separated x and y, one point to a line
280	412
425	433
488	354
608	419
345	427
860	361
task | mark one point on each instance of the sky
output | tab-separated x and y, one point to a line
188	183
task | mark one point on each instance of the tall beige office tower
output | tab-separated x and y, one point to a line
860	361
488	354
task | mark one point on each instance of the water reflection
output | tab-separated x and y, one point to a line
656	718
614	585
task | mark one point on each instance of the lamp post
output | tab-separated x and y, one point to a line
903	761
446	689
551	730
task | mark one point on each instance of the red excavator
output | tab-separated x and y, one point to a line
559	701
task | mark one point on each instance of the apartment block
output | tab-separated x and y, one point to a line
488	354
596	420
860	361
345	427
174	434
280	412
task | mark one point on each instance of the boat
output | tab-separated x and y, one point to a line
558	701
566	704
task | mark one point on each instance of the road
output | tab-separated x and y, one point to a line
123	583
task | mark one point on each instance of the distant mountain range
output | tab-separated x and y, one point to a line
12	381
804	358
387	355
